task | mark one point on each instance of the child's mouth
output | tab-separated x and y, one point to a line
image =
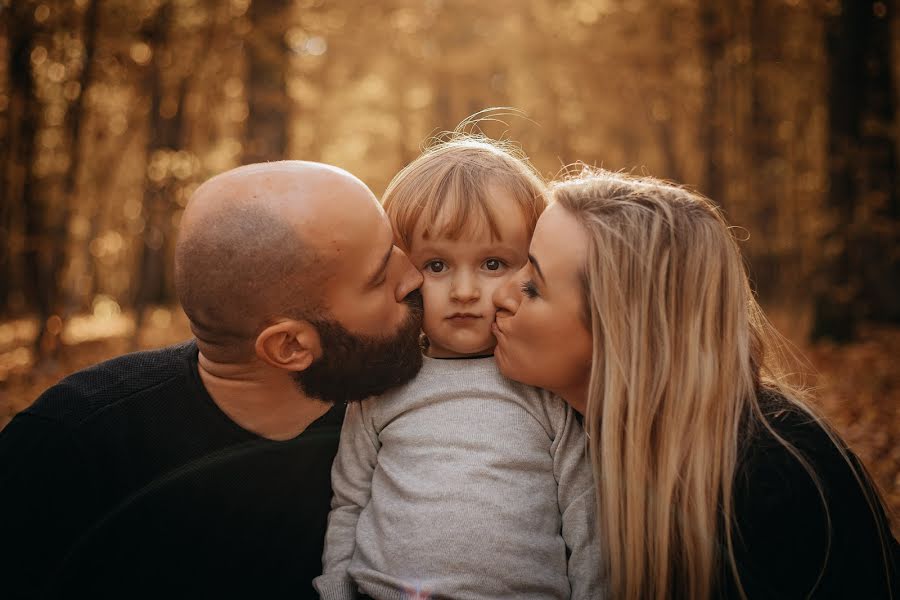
463	317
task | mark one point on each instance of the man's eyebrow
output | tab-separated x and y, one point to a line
537	267
381	267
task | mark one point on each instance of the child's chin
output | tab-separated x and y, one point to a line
476	349
470	349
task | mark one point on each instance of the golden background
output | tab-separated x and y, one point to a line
782	111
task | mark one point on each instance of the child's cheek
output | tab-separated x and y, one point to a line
434	301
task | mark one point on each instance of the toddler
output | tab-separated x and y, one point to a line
462	484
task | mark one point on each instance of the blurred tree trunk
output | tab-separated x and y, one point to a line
561	139
443	113
767	177
75	116
21	185
837	287
713	40
661	116
880	219
57	228
267	99
164	135
859	275
8	147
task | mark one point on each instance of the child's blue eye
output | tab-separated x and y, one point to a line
435	266
493	264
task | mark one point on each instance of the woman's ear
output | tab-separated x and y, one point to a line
289	345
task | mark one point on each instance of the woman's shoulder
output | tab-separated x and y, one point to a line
804	505
786	436
791	452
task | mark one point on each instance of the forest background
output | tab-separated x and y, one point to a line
784	112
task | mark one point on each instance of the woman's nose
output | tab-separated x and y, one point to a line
507	297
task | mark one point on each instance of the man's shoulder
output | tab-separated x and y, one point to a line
82	394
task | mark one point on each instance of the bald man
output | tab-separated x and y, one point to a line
203	469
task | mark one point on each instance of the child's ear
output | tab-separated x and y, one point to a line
290	345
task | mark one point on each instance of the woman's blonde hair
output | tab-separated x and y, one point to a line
682	353
449	186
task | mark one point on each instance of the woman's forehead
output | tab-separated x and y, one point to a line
560	242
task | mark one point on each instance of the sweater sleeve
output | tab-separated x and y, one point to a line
351	480
575	488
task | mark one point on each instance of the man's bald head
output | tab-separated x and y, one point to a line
256	243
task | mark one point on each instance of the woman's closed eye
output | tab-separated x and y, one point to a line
529	289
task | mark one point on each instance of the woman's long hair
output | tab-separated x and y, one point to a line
679	360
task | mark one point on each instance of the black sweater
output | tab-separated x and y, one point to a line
126	480
783	548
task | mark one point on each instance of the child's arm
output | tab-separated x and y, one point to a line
351	481
576	504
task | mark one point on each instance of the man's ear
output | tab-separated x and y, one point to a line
291	345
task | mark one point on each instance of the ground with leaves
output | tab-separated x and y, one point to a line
856	386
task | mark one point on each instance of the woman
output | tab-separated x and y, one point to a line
714	478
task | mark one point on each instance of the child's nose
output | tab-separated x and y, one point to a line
464	288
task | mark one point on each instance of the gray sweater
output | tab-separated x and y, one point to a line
461	484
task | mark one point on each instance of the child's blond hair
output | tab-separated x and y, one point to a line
449	183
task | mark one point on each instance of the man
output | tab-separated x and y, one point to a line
202	469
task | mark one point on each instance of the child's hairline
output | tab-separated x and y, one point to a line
480	218
456	167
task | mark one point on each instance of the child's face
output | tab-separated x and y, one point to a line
461	276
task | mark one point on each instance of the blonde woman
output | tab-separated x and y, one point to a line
713	477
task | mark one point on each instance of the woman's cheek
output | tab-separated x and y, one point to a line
531	347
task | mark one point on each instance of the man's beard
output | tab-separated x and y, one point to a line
354	367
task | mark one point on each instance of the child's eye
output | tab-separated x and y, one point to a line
529	289
435	266
493	264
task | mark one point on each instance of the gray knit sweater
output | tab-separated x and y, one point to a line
461	484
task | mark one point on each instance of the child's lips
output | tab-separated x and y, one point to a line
462	318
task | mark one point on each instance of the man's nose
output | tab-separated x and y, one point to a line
507	297
464	287
410	278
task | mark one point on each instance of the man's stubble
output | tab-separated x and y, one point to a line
354	367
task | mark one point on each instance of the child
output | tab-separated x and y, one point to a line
462	484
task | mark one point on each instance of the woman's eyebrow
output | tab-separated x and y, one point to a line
537	267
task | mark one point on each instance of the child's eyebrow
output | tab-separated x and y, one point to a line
381	267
